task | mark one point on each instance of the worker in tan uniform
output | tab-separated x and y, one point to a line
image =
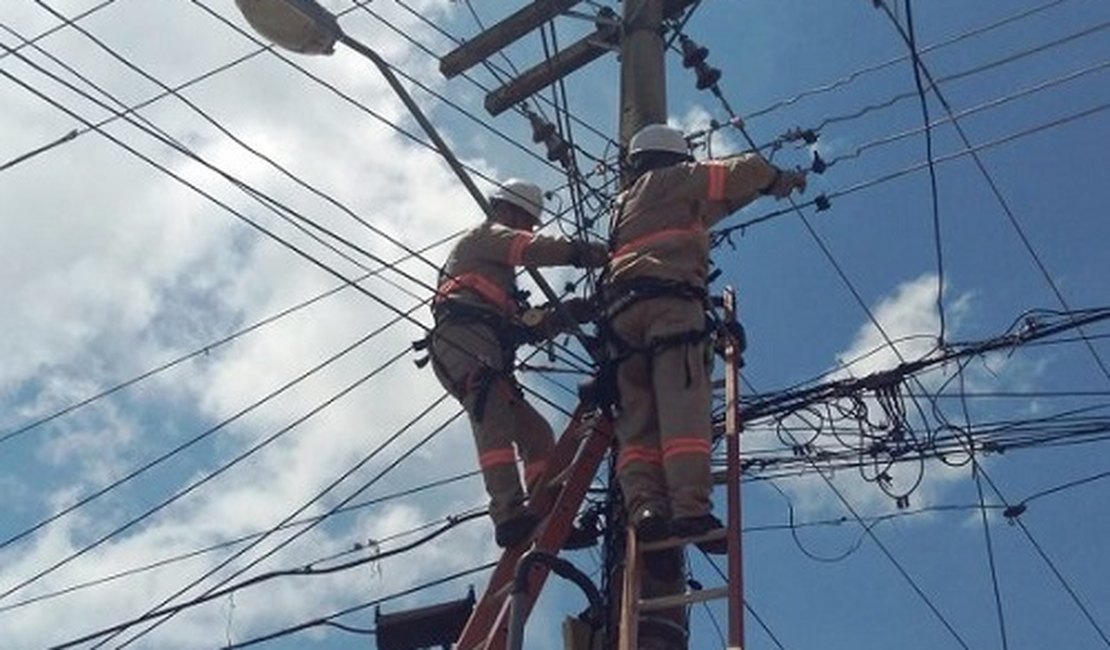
656	298
472	347
655	301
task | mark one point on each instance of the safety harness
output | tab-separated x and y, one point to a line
618	298
449	309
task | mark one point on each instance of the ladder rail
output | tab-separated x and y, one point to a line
733	426
578	454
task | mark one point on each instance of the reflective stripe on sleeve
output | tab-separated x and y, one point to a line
717	175
517	247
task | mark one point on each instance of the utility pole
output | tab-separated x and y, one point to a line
638	36
643	78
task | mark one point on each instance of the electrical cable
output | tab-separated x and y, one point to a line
915	58
351	610
885	64
235	542
201	351
342	503
573	173
196	484
207	433
260	579
1005	204
52	30
225	131
721	235
934	84
1052	566
307	504
256	225
994	103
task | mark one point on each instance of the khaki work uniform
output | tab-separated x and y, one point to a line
473	348
660	251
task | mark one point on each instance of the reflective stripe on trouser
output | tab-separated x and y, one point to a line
464	355
664	406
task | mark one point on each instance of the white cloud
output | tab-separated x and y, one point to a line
114	268
905	328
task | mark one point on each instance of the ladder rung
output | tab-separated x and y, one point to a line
688	598
672	542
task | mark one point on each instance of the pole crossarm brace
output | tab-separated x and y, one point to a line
604	39
501	35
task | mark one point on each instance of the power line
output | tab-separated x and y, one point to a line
937	241
207	433
1022	15
307	504
254	224
198	352
180	494
245	538
721	235
1005	204
934	83
326	620
183	606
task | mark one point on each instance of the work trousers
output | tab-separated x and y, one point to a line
473	365
664	421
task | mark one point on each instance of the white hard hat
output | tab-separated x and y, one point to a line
658	137
526	196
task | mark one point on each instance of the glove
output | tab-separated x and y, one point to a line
784	183
589	255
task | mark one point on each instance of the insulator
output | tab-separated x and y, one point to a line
819	165
693	54
708	76
558	150
541	128
822	202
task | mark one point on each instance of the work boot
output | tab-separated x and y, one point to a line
516	530
650	525
684	527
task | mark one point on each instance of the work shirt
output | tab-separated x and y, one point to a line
481	270
662	226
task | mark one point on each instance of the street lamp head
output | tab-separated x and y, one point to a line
299	25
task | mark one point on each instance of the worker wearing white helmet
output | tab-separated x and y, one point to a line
655	296
656	291
472	347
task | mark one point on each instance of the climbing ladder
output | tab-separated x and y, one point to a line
571	468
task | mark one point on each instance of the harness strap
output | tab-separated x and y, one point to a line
487	289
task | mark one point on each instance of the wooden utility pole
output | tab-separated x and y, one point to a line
643	96
643	77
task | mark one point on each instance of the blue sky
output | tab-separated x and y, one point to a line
118	268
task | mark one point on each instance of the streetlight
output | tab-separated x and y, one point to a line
305	27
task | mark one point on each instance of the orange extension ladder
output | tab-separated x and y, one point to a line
573	465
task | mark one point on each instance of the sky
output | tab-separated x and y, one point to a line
193	395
